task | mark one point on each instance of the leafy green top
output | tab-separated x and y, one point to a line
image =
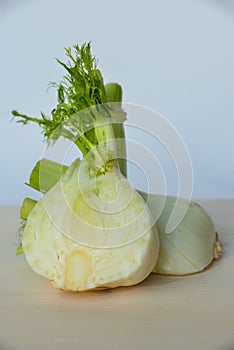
82	87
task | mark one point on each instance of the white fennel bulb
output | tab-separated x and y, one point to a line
194	242
91	233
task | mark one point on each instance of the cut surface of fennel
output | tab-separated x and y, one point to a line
91	233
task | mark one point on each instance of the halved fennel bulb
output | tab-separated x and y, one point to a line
91	233
192	245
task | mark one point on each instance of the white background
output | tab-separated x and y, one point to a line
175	57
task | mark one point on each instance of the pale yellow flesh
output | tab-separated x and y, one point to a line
52	250
73	267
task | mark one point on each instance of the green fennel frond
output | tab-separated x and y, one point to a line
82	87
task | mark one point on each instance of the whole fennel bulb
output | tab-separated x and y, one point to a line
91	229
192	245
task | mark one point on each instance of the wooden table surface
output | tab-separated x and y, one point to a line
162	313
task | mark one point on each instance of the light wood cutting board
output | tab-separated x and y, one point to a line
162	313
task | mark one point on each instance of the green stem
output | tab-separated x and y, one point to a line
45	174
121	147
114	94
19	249
26	207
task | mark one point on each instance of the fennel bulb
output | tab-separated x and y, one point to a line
88	236
192	245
